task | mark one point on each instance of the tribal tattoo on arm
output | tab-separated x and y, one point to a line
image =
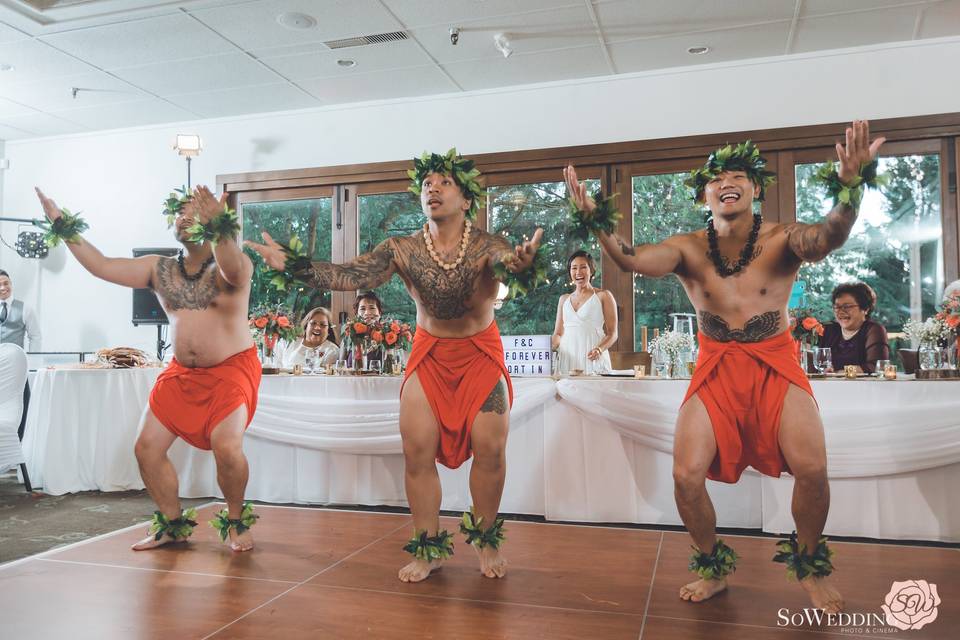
757	328
367	271
813	242
179	293
626	249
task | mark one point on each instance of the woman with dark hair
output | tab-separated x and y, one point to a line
854	338
318	335
586	321
369	308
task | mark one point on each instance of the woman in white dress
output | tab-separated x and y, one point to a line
318	335
586	321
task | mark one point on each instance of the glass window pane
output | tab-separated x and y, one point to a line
662	207
381	216
896	245
516	211
311	221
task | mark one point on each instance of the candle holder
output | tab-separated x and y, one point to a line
890	372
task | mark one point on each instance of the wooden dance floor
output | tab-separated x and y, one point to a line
332	574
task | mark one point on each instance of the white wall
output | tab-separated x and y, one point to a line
119	178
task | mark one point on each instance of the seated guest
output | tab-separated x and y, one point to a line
368	308
586	321
854	338
318	335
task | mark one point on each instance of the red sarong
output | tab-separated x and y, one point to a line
457	376
743	385
191	401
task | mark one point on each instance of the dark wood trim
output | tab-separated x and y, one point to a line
949	150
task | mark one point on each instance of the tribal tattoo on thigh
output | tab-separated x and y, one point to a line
755	329
496	402
180	293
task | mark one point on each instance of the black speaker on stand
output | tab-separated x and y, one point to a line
146	307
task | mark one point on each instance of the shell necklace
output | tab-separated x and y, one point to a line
464	240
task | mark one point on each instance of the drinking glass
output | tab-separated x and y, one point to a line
375	366
823	360
881	367
341	368
309	361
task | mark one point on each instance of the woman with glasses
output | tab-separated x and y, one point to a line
854	338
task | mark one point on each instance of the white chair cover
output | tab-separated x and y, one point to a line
13	375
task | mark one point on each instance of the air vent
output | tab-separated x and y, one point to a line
362	41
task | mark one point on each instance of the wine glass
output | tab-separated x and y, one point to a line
310	361
823	360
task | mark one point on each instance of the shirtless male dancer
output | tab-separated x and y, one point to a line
208	393
749	402
457	393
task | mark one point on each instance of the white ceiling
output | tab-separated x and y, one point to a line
139	62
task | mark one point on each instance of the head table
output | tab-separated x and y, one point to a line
584	449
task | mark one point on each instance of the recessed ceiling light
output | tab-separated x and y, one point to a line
6	67
347	62
296	21
698	51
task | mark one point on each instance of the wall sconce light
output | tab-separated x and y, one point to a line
188	146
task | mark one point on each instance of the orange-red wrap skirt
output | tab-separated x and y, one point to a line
457	376
743	385
191	401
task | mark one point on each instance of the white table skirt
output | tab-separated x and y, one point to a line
589	450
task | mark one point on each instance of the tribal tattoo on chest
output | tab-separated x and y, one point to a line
757	328
179	293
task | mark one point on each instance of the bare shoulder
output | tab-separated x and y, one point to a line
491	240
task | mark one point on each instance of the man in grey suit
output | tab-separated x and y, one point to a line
17	321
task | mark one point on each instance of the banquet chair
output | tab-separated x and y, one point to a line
909	359
626	359
13	377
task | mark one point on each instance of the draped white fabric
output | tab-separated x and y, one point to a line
13	375
872	427
580	449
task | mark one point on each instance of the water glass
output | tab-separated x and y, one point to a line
309	361
375	366
341	367
823	360
881	367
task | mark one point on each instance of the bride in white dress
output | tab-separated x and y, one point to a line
586	322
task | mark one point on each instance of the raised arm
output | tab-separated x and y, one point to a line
655	260
367	271
235	267
813	242
129	272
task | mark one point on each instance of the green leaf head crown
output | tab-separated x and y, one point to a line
743	157
454	165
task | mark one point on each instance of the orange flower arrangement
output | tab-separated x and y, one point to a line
272	324
950	312
805	326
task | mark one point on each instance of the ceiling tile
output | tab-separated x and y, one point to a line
258	99
545	30
628	20
127	114
731	44
52	94
855	29
378	57
9	34
412	81
10	133
451	13
33	60
44	124
545	66
254	25
127	44
199	74
941	20
8	108
821	7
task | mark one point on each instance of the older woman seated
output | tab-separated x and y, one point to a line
318	335
854	339
369	308
586	324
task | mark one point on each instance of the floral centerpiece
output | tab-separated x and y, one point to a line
949	312
805	327
932	335
668	346
269	325
397	335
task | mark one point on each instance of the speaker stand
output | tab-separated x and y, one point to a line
161	343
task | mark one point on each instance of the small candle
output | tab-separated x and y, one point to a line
850	371
639	371
298	369
890	372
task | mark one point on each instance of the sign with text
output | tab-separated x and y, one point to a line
527	355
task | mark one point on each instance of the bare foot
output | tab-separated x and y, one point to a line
419	570
492	564
150	542
241	541
822	594
701	590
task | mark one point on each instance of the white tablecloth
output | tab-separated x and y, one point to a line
595	450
